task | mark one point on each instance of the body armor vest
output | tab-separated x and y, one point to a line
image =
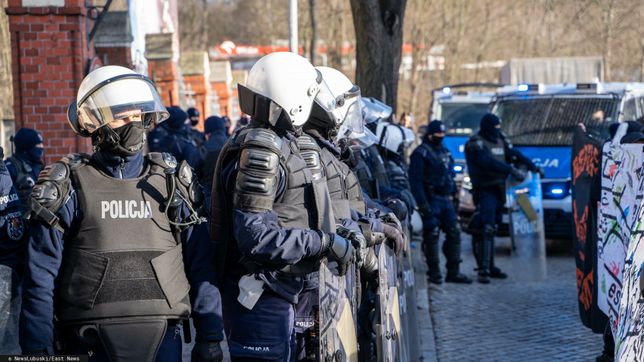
442	181
24	181
343	185
497	150
123	260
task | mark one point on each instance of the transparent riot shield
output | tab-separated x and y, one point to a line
9	311
525	209
337	316
388	328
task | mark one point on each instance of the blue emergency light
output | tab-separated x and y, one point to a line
458	168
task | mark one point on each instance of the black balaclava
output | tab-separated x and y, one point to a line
26	141
124	141
487	128
432	129
193	114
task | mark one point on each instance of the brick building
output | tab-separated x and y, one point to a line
55	43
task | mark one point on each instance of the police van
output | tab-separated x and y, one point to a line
461	111
539	120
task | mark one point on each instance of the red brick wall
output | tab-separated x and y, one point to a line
223	93
164	73
115	56
49	58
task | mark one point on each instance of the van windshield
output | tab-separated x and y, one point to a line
551	121
462	118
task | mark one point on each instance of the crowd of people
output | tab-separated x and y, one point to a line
112	252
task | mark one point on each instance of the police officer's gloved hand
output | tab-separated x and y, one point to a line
398	207
358	241
339	252
518	174
207	351
540	171
394	236
424	209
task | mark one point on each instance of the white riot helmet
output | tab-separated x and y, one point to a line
374	110
394	137
338	100
110	93
280	90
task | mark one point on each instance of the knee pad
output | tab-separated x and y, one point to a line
453	233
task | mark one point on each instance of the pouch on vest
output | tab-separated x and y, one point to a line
169	270
81	288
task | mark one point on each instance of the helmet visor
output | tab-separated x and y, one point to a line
374	110
328	102
353	125
121	99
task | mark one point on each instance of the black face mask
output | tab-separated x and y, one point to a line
126	140
492	135
436	140
34	155
194	121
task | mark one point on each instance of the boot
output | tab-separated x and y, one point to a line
485	252
430	247
452	251
495	272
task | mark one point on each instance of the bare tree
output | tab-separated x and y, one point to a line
378	27
314	31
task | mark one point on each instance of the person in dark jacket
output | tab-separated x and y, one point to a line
116	255
174	136
215	130
490	160
197	136
25	164
12	232
431	175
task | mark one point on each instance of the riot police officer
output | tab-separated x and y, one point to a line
174	136
269	212
114	240
432	175
26	162
490	160
12	231
197	136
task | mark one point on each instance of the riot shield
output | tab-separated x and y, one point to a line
525	209
388	328
9	311
408	281
337	333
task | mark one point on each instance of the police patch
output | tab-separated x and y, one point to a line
15	228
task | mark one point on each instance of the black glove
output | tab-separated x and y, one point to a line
394	236
424	209
207	351
518	174
540	171
338	250
398	207
358	241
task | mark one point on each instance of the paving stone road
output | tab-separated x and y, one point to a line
509	320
